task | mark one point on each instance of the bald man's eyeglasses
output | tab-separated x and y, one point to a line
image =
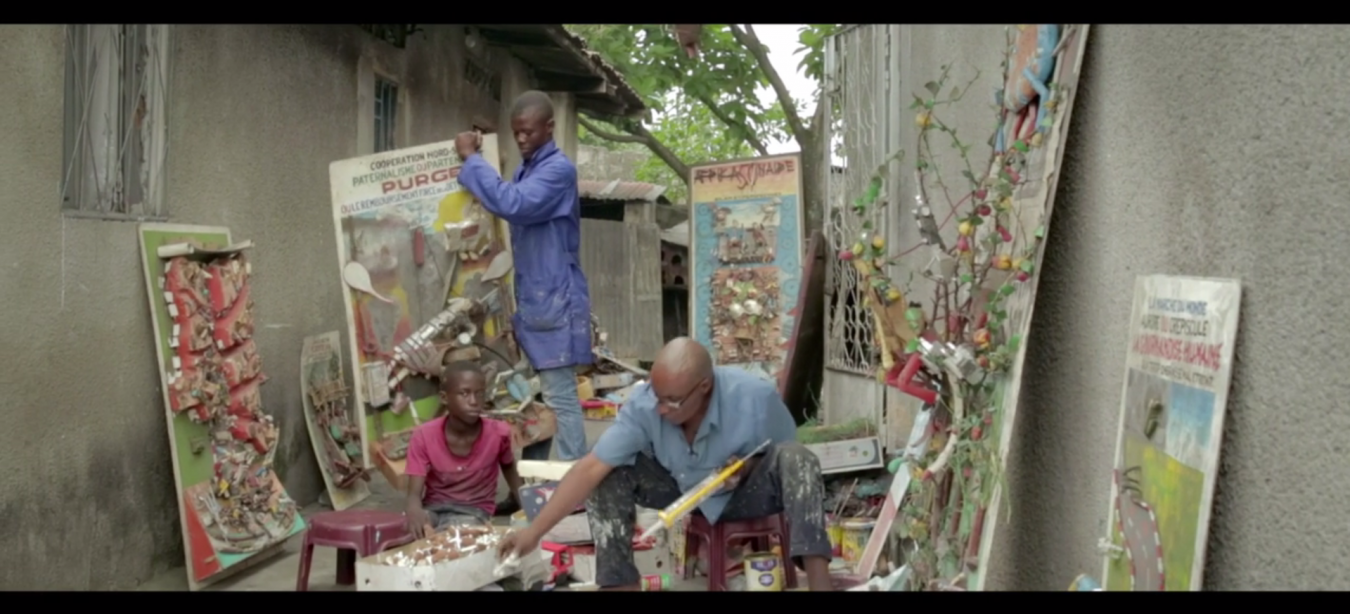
680	401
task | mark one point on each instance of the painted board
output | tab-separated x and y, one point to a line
389	215
220	442
333	427
1177	372
745	259
1033	202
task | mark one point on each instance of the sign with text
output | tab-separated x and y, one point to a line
409	236
745	258
1178	368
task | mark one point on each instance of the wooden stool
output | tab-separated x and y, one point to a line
716	537
355	534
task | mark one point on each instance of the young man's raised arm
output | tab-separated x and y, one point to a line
531	200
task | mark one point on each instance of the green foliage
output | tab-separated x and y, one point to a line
704	108
812	37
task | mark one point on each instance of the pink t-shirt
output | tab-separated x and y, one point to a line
468	480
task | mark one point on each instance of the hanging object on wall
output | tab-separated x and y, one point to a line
231	503
426	246
1179	365
746	259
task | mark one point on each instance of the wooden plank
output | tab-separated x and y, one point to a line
1021	305
1174	400
321	363
204	563
805	346
543	470
647	317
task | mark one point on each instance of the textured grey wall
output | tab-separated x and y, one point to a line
256	114
1211	151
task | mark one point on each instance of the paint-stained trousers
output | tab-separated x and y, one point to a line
787	479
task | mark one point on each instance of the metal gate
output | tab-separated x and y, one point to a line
862	76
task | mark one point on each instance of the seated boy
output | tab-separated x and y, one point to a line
453	460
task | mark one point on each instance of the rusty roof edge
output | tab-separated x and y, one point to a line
632	99
619	190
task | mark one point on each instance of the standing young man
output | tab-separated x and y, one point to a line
453	460
553	305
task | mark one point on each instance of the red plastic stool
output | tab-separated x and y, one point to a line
716	537
355	533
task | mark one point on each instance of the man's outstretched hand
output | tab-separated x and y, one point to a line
467	144
519	543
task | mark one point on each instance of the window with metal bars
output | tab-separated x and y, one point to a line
114	121
386	114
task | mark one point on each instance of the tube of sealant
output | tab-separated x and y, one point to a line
696	495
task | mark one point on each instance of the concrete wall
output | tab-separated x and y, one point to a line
1194	150
256	114
1210	151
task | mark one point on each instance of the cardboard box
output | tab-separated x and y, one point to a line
849	455
468	573
650	559
574	529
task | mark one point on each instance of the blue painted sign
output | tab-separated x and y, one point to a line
746	259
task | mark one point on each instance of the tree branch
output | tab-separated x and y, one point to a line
747	133
750	41
639	134
609	136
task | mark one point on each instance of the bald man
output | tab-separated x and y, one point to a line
690	421
553	305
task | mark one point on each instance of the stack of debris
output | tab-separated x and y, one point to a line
571	542
607	385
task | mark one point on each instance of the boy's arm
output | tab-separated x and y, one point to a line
510	472
513	481
416	471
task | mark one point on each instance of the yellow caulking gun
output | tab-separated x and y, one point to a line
696	495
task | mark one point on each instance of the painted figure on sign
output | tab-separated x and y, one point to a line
1033	63
454	460
553	305
692	419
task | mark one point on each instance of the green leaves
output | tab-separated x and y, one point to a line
675	87
932	87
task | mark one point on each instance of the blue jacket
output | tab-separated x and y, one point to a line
553	304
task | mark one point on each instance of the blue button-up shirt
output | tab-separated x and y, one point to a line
553	305
745	410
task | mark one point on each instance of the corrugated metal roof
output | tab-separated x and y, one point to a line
626	191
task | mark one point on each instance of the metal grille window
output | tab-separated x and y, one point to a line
386	110
114	121
858	84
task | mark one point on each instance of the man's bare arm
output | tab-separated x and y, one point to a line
576	485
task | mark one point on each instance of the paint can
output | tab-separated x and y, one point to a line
661	582
856	532
836	533
763	572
